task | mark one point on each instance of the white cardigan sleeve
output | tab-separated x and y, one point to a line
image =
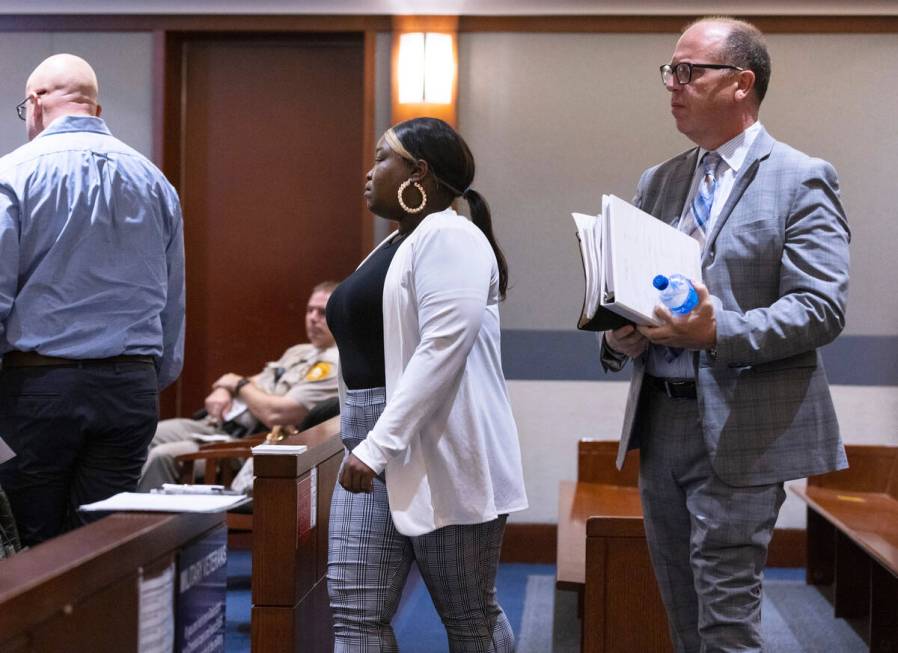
451	272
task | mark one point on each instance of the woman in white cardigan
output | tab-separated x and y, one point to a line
433	465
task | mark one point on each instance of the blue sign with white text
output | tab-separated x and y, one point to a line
202	589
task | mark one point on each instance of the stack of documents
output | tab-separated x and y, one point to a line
622	250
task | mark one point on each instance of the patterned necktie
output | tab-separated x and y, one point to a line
695	222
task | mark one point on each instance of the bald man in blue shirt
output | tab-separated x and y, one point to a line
91	303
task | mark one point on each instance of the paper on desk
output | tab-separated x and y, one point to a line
5	452
193	488
145	502
279	449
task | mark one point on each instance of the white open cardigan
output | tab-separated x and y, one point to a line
447	438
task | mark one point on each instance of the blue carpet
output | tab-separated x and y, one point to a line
794	574
417	626
239	603
796	617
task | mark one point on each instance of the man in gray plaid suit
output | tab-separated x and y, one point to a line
732	400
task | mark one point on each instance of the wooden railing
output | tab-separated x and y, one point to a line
291	502
82	591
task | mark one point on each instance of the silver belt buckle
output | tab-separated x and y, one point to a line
667	389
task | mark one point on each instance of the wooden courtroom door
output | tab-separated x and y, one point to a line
271	161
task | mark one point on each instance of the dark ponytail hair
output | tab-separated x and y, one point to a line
452	166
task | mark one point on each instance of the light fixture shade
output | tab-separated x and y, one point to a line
424	67
439	68
411	67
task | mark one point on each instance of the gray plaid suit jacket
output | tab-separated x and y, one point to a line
776	263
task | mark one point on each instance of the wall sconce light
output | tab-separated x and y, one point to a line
425	64
426	68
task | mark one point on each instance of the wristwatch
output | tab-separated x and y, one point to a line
239	386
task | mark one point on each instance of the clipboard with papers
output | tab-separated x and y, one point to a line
168	502
622	250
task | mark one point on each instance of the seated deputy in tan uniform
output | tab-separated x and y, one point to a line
281	394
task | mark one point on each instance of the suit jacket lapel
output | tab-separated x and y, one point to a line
676	188
759	151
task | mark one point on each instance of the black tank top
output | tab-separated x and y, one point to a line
355	317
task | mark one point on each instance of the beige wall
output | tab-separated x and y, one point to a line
124	66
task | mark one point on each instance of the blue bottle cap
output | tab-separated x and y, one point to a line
660	282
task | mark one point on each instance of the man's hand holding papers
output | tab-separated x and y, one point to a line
627	340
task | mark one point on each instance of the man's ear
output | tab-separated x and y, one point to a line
99	111
746	84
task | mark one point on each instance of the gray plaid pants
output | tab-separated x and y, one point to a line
708	540
369	561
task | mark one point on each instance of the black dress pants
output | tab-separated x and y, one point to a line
80	433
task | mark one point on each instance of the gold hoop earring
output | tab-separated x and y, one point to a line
420	188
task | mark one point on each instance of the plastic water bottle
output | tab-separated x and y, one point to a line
676	292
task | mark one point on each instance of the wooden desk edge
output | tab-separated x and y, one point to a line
565	576
71	554
806	495
571	536
601	526
323	441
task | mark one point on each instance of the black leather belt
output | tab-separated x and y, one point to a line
33	359
673	388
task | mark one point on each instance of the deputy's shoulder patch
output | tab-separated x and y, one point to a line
320	372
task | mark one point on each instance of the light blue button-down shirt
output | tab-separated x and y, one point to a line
91	250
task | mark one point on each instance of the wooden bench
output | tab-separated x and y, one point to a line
291	500
852	539
82	591
603	556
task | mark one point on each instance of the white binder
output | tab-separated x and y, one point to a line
623	249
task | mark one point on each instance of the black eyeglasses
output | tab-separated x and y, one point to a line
22	107
683	71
